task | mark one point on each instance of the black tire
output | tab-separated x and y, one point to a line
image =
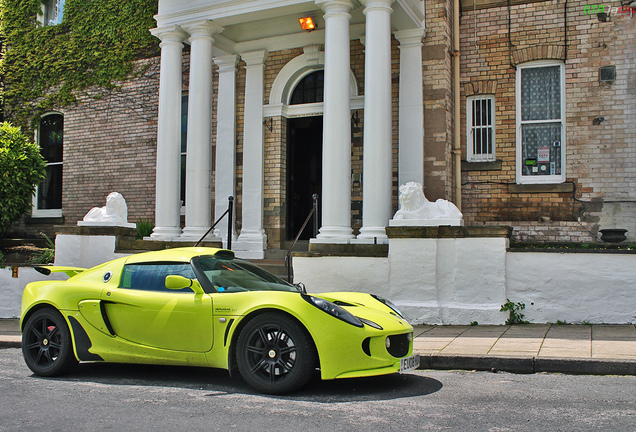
46	344
275	354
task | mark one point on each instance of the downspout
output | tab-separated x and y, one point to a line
457	153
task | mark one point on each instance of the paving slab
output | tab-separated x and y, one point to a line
476	340
614	342
521	340
435	338
567	341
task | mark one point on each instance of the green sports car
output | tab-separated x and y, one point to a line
203	307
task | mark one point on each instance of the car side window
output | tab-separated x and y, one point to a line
152	277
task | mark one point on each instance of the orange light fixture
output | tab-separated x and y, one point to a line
307	23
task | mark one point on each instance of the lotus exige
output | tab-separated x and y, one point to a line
203	307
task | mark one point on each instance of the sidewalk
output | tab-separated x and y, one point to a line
528	348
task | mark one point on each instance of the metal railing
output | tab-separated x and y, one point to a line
288	257
228	212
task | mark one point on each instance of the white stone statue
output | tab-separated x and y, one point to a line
416	210
114	213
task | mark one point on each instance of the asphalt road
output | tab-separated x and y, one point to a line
97	397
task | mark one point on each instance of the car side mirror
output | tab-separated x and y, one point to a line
176	282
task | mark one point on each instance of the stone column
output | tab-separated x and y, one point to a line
167	218
252	242
198	198
411	109
336	141
225	179
377	157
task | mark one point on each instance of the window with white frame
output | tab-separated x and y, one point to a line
480	128
48	198
52	12
540	117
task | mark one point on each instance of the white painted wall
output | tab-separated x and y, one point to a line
458	281
11	288
84	251
585	287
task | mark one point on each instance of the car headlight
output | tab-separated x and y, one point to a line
334	310
389	304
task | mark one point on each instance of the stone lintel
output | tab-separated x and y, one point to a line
117	231
350	249
448	231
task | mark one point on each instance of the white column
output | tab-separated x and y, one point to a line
167	218
377	157
225	178
411	109
336	138
252	241
198	197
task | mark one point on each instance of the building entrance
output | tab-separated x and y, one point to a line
304	172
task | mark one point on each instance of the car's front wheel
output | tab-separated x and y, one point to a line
46	344
275	354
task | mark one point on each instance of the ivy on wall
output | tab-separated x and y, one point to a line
95	45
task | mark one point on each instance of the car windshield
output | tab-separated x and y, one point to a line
228	275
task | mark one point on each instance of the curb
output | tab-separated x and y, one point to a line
528	365
7	343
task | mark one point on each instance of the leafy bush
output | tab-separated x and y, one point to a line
22	168
513	308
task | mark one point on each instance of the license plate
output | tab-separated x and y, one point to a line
410	363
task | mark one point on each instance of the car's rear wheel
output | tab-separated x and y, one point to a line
46	344
275	354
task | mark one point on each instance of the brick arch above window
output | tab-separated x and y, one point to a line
472	88
539	52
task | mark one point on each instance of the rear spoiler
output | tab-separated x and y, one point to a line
70	271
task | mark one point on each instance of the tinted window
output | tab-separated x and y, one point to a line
235	276
152	277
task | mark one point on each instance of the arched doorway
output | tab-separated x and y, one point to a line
304	155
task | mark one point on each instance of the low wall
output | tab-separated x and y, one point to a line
441	280
11	288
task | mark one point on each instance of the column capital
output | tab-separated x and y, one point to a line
411	37
173	33
335	6
202	29
226	63
377	5
254	58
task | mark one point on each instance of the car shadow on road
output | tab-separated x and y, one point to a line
218	382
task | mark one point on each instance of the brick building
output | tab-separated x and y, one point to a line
243	102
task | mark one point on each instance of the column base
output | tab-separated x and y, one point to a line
165	233
334	235
250	245
194	234
372	235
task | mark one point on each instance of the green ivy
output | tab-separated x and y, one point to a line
95	45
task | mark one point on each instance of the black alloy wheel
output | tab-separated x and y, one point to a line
46	344
275	354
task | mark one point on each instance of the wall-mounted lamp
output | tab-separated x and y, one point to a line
598	120
307	23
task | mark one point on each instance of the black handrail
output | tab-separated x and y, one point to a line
288	258
230	206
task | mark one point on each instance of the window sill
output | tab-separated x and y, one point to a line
481	166
41	220
537	188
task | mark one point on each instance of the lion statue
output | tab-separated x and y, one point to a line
115	210
414	205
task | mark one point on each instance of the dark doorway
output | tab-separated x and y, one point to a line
304	172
